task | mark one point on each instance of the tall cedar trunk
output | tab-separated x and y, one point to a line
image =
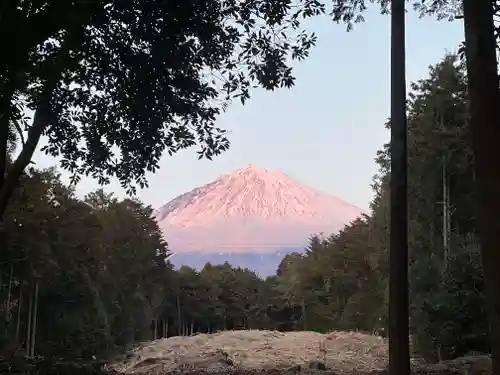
304	317
33	326
28	327
179	317
19	310
484	97
446	218
399	351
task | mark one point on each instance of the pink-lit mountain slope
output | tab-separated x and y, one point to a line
250	210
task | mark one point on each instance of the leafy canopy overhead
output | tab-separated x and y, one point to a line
115	84
351	11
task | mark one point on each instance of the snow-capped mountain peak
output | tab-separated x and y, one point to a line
250	209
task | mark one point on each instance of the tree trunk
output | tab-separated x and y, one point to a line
28	326
19	311
484	96
304	318
446	217
179	317
399	350
40	122
9	293
6	97
35	316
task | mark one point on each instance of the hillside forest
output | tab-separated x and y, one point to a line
91	277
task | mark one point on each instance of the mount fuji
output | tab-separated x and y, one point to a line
250	218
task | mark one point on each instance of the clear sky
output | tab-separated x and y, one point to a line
326	130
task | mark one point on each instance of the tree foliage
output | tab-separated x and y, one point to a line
114	85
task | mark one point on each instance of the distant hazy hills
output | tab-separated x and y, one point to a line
263	263
250	217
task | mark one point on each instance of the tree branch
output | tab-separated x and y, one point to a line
20	131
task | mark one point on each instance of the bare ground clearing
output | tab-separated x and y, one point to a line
260	352
256	350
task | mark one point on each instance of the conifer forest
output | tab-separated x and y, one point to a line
70	266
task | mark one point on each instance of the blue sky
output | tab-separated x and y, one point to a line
326	130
